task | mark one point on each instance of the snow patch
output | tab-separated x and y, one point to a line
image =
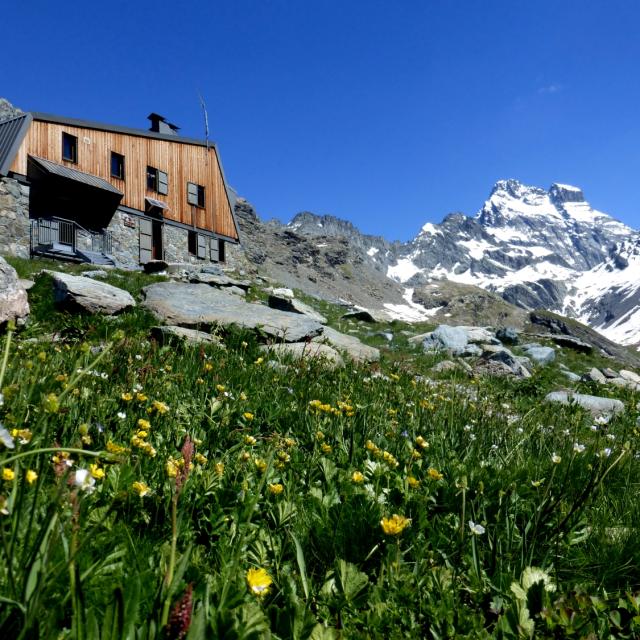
372	251
403	270
412	311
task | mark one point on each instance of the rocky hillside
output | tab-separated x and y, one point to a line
7	110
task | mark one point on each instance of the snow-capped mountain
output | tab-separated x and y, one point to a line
537	249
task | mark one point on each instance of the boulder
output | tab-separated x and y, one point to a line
179	335
609	373
96	273
199	305
445	366
572	343
471	350
624	383
594	375
517	365
596	405
14	305
282	292
295	306
508	335
572	377
540	355
218	280
630	375
306	351
155	266
366	315
77	293
480	335
497	368
354	348
446	338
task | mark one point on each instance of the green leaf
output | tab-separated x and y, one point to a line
302	567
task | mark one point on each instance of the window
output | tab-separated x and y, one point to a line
69	147
117	165
197	244
216	250
195	194
157	181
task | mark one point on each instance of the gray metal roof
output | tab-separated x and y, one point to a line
12	132
156	203
73	174
143	133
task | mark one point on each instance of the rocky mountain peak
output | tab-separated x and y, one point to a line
7	110
561	193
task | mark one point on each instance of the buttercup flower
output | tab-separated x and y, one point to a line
394	525
8	474
31	476
141	488
259	582
357	477
434	474
96	472
275	489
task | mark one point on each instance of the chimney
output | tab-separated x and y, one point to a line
159	124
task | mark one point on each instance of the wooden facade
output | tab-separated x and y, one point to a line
183	161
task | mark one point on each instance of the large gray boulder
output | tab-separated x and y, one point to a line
199	305
367	315
14	305
77	293
218	280
446	338
354	348
172	335
540	355
306	351
596	405
292	305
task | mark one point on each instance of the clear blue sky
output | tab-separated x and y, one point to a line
386	113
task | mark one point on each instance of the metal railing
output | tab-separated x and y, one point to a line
67	235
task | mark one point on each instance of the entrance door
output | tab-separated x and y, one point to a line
156	239
150	240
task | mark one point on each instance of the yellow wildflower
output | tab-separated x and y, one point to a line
96	471
413	482
247	416
275	489
249	440
259	582
415	454
243	396
434	474
61	377
394	376
112	447
357	477
244	456
283	456
200	459
160	407
8	474
51	403
290	442
199	381
261	464
219	467
144	424
220	388
326	448
394	525
171	468
141	397
142	434
141	488
31	476
319	436
127	397
422	443
260	360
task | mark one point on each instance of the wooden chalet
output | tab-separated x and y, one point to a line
103	193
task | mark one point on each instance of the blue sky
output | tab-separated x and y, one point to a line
386	113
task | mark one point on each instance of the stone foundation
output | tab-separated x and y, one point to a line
15	227
125	231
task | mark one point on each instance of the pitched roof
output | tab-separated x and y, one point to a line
12	132
73	174
143	133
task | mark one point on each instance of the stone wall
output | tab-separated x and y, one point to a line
124	228
14	218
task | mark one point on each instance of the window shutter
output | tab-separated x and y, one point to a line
213	249
163	183
192	193
202	246
146	243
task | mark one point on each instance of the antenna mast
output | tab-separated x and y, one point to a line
206	119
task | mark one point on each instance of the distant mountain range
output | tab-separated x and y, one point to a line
536	248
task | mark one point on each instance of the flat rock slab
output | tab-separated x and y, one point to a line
307	350
218	280
572	343
13	296
199	305
354	348
284	303
446	338
596	405
540	355
179	335
78	293
366	315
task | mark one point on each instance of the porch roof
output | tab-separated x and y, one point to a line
53	168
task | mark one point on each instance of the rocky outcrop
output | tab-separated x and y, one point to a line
201	306
173	335
306	351
292	305
14	305
350	345
596	405
77	293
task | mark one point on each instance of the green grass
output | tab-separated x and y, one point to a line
272	487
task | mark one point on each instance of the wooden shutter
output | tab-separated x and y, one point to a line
146	240
213	249
202	246
163	183
192	193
